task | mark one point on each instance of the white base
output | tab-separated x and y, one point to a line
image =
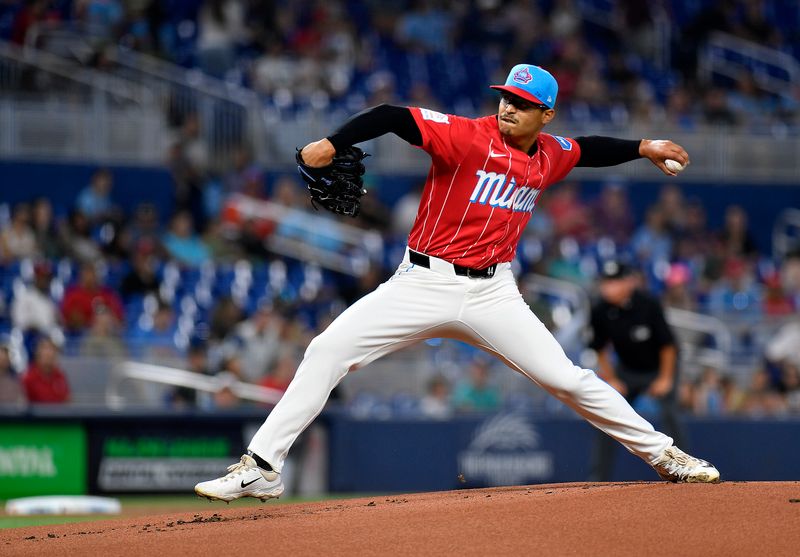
63	504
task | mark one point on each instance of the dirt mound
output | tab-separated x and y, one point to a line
731	518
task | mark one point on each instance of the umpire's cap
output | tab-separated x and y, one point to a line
611	270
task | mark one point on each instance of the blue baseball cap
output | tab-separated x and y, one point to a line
532	83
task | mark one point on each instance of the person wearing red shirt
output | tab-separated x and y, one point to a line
44	381
81	300
455	280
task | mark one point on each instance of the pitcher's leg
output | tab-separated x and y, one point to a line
504	324
400	312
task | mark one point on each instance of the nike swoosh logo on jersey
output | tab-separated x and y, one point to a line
243	484
493	155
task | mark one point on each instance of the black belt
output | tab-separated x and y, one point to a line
423	260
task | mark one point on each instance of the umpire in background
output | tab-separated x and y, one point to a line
632	323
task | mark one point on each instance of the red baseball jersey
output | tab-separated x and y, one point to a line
480	191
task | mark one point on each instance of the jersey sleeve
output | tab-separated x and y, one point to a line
445	137
563	153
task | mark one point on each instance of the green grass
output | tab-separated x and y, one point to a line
139	505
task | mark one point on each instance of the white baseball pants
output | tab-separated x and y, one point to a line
418	303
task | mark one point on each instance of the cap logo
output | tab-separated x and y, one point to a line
522	76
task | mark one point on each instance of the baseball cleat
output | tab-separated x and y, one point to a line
244	479
677	466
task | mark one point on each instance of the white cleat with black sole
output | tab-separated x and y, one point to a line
244	479
674	465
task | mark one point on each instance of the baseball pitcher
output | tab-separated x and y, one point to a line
455	280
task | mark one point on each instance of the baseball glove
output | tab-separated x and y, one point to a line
339	186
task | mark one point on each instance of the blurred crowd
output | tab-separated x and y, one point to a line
208	294
624	61
198	287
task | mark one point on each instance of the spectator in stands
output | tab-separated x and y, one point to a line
735	236
105	17
709	398
144	230
44	381
612	215
188	160
155	341
260	338
565	263
103	339
737	292
282	373
315	230
32	13
733	397
246	175
716	110
477	394
651	241
225	315
782	347
426	27
94	201
568	212
11	393
229	373
33	309
680	109
221	27
694	241
762	398
196	362
76	238
183	244
776	302
44	228
673	207
17	240
436	402
141	279
80	300
751	104
677	293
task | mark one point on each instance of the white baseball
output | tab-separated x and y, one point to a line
673	166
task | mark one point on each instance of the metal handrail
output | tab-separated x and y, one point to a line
700	323
756	52
90	78
360	245
145	64
163	375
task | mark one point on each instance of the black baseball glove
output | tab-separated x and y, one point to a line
339	186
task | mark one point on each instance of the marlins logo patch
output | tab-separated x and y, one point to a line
565	143
523	76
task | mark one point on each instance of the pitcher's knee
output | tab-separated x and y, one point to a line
326	348
571	383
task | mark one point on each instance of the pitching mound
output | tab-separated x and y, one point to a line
731	518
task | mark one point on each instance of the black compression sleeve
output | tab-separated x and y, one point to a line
606	151
374	122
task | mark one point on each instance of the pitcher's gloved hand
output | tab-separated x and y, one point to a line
337	187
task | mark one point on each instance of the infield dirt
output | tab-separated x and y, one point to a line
731	518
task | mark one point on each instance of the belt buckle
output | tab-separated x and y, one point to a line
488	272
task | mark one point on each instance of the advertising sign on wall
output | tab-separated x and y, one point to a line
42	459
166	457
